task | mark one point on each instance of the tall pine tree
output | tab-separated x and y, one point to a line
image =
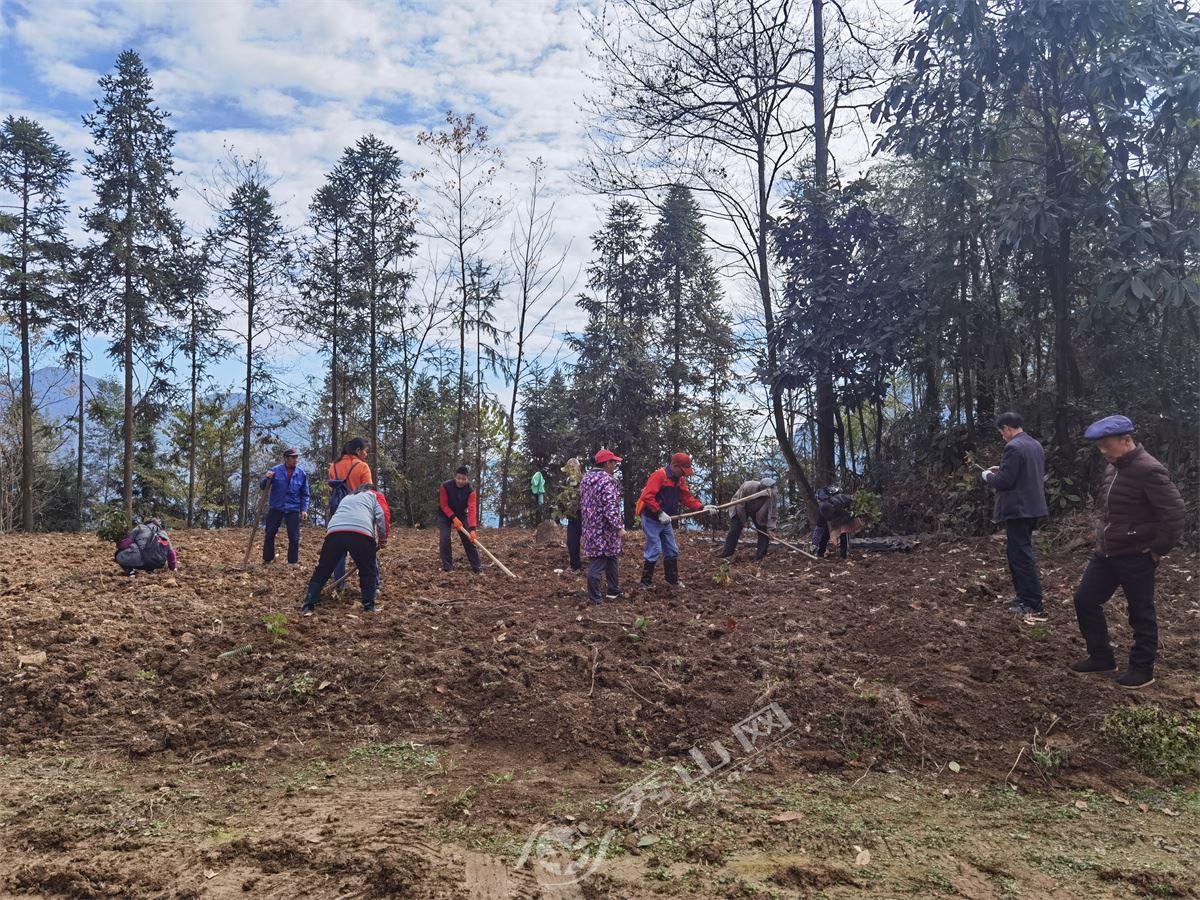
34	169
136	233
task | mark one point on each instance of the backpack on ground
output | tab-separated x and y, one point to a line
339	488
148	549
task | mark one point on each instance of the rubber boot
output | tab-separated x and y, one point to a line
671	571
310	598
647	574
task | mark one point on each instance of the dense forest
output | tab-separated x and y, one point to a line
1024	235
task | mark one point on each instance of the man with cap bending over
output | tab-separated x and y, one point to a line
764	511
1139	519
287	504
664	493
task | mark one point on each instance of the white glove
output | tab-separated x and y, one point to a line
709	509
663	517
985	475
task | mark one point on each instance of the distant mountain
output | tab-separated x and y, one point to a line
56	395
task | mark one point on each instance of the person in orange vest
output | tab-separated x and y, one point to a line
346	475
665	492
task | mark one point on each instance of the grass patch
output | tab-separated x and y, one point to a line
1159	742
407	756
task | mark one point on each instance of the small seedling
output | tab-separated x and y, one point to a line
276	623
1050	760
498	778
147	675
721	576
639	629
303	684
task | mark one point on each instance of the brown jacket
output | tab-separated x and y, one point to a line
1138	508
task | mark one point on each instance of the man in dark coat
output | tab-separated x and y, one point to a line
1139	519
1020	502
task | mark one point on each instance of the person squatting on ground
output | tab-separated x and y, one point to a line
146	548
456	511
1139	520
359	528
347	474
833	514
602	525
566	504
1019	483
665	491
764	511
288	503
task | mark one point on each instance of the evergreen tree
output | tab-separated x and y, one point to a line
250	253
615	377
136	233
202	345
325	284
381	228
35	169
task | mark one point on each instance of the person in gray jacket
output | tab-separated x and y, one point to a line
1020	502
359	527
764	511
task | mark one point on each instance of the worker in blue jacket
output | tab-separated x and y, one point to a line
288	504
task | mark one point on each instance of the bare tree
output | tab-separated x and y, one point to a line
464	212
541	289
712	94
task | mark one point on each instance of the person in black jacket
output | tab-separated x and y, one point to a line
457	511
1020	502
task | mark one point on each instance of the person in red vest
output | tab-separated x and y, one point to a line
665	492
457	512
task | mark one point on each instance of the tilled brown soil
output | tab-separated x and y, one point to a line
893	663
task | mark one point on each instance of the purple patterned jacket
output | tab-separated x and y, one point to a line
600	503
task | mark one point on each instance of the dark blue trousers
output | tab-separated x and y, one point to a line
275	518
1021	563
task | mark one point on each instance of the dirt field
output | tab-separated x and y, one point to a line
879	727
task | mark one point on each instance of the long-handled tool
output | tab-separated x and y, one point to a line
737	502
262	508
777	539
491	556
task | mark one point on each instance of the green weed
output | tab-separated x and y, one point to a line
276	623
1159	742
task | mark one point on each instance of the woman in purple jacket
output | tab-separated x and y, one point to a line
603	525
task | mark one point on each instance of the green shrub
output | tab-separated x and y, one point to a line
112	524
1159	742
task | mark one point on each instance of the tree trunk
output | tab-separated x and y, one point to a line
79	447
191	500
244	493
334	333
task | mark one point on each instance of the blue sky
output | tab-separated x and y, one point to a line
298	80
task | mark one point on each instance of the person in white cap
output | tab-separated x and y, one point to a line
764	511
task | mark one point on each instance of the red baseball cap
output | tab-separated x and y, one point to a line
683	461
605	455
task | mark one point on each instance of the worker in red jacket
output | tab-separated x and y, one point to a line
665	492
457	512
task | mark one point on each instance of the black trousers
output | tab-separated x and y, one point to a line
1021	563
820	539
574	536
1135	576
362	550
275	518
735	534
445	528
609	568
